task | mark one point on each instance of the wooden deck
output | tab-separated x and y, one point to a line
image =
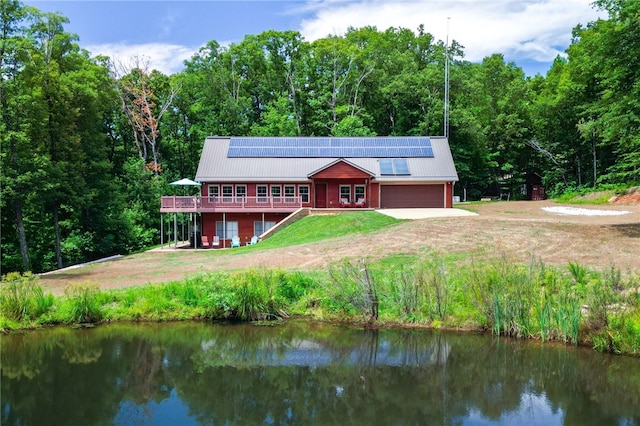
199	204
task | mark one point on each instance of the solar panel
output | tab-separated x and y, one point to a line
328	147
386	167
394	167
400	166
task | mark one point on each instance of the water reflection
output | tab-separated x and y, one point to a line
306	373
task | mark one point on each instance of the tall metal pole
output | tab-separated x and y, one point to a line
446	84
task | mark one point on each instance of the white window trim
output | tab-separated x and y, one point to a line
262	198
213	198
307	194
241	197
226	224
227	197
289	198
276	198
348	187
260	223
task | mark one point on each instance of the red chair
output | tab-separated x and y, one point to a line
344	202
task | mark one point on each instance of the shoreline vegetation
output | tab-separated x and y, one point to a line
576	305
496	294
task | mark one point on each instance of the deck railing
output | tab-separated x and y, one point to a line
199	203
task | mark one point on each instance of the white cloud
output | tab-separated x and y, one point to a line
522	30
164	57
529	29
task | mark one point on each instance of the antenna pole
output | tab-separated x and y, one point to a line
446	83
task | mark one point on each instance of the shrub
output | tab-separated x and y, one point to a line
293	286
353	286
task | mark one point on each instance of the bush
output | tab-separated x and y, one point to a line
293	287
353	288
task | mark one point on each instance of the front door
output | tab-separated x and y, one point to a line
321	196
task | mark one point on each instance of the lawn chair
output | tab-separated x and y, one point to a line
216	242
361	202
254	241
205	241
235	241
344	202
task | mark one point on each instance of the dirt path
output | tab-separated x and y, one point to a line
517	229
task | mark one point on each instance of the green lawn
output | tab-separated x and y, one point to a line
319	227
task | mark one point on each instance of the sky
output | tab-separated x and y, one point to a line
530	33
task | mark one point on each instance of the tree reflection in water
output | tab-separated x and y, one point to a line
306	373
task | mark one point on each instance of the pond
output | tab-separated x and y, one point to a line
306	373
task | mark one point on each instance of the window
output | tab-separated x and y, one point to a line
359	191
345	193
241	193
276	193
214	193
232	229
227	193
259	229
303	191
261	192
289	193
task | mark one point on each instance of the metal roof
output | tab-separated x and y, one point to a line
216	166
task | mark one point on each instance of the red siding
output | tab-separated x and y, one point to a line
448	201
341	170
245	223
333	191
374	195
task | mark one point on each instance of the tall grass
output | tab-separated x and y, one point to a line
246	296
503	293
419	292
22	297
571	305
81	304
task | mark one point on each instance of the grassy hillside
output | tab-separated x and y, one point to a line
320	227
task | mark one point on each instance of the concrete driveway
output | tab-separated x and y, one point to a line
425	213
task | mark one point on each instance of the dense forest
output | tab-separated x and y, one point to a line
88	146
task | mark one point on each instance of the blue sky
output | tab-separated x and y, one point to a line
528	32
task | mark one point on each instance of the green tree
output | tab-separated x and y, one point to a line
503	112
55	171
612	117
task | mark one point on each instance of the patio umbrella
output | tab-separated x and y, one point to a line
185	182
189	182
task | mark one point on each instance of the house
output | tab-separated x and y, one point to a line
251	183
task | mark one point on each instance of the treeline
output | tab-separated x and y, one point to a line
88	145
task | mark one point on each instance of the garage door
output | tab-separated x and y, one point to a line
404	196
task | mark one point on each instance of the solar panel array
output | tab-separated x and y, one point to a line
327	147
